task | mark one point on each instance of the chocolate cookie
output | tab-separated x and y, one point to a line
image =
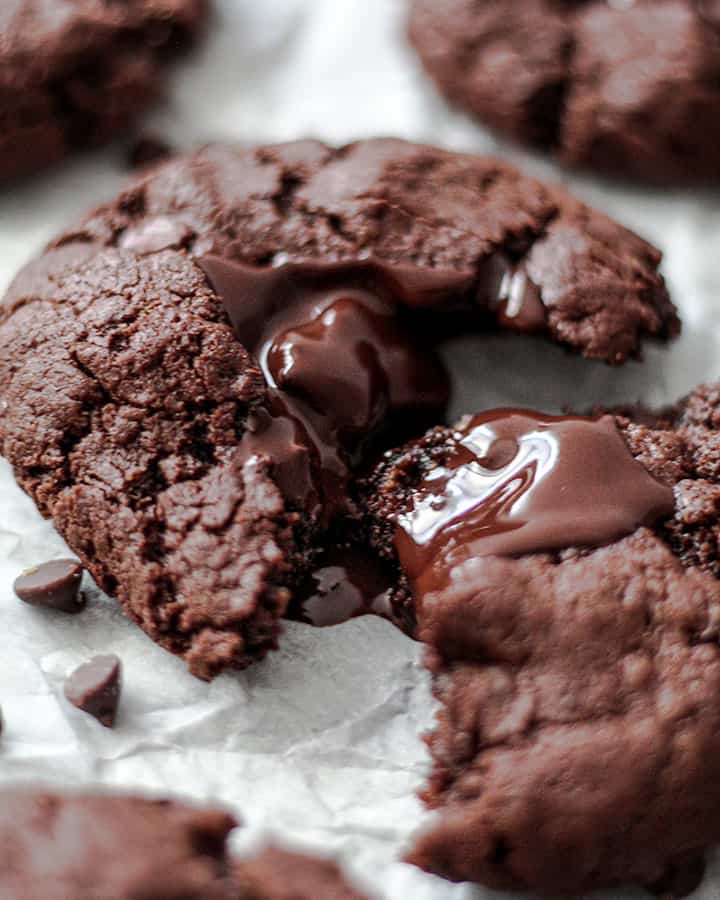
616	87
191	378
83	847
564	573
75	72
279	875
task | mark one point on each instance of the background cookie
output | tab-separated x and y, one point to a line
191	474
75	72
57	846
627	88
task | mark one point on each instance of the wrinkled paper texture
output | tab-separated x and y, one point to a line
319	746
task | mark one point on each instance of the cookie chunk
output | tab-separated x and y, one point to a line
85	847
563	573
615	87
75	72
192	377
280	875
57	847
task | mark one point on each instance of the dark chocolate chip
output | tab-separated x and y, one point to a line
94	687
55	584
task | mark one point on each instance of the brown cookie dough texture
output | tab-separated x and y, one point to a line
125	393
84	847
631	88
578	740
75	72
104	847
277	874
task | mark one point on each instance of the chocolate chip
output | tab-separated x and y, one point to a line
154	235
55	584
94	687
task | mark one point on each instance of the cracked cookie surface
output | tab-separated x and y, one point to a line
134	410
75	72
579	728
616	87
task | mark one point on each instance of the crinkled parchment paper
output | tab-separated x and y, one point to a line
319	745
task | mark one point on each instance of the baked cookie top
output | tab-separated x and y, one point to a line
191	377
75	72
616	87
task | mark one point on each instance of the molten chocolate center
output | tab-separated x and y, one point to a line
515	482
339	367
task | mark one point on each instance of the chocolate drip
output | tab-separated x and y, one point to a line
515	482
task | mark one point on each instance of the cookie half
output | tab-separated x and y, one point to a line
615	87
73	74
563	572
192	378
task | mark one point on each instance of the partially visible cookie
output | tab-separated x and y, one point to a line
192	377
564	574
86	847
277	874
75	72
630	88
95	686
110	847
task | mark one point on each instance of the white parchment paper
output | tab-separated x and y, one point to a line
319	746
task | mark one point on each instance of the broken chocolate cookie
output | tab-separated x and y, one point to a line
209	360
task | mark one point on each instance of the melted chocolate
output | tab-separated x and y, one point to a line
515	482
251	293
338	365
346	582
